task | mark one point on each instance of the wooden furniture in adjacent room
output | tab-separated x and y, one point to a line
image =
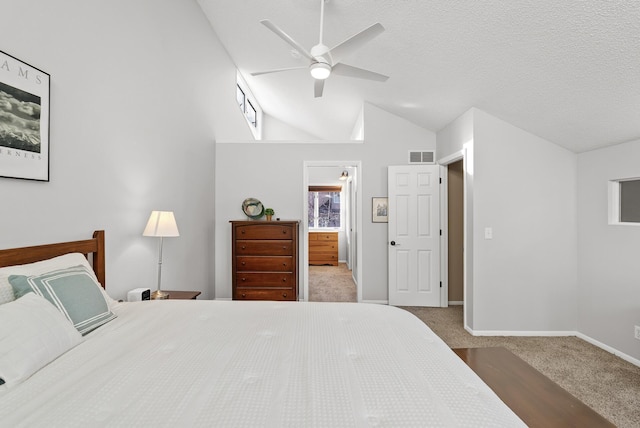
537	400
264	260
323	248
182	295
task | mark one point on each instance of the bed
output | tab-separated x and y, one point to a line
235	363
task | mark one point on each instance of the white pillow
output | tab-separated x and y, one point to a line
32	334
38	268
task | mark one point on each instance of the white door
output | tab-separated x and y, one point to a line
414	235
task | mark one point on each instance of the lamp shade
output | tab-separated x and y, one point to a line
161	224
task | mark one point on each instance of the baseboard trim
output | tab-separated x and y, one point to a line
377	302
558	333
614	351
223	298
456	303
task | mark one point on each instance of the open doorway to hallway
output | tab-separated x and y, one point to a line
331	231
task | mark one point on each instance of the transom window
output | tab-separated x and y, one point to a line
324	207
249	107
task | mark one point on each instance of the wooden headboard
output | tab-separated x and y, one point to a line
94	246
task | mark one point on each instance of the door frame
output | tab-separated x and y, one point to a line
357	179
444	163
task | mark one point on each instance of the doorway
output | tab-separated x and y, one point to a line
455	232
343	235
456	184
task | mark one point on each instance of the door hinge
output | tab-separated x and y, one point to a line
440	284
440	232
440	180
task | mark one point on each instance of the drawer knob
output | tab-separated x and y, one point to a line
243	247
284	295
284	231
284	248
243	263
244	279
244	295
284	264
284	279
242	231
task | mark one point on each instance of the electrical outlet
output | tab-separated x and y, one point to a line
637	332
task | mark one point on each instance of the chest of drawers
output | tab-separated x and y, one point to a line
264	260
323	248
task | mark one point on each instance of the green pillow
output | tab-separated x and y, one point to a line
73	291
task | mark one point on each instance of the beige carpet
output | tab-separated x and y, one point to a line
606	383
331	284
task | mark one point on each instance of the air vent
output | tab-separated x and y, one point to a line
424	157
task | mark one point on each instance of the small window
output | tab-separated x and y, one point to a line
249	107
630	201
240	97
324	207
251	114
624	201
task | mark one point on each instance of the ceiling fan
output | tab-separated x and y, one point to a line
324	61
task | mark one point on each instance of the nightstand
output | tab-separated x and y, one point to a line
181	295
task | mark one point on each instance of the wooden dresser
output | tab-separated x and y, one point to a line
323	248
265	260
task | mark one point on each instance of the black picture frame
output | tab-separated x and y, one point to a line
24	120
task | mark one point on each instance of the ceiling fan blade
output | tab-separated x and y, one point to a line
355	42
284	36
318	88
360	73
277	70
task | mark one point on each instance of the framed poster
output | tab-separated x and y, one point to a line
24	120
380	210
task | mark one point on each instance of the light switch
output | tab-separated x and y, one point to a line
488	233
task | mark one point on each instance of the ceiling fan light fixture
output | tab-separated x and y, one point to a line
320	70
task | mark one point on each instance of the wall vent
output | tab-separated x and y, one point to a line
423	157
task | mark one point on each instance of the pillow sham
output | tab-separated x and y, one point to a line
32	334
37	268
75	293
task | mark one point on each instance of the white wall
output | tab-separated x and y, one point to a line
524	188
137	97
272	172
609	272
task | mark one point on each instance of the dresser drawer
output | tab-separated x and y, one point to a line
262	294
264	248
265	264
265	279
323	257
323	247
264	231
323	236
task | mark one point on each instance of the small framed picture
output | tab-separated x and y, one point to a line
380	210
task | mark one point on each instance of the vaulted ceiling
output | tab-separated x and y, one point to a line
567	71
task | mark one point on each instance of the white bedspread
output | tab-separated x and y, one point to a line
257	364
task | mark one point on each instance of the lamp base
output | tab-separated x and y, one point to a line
159	295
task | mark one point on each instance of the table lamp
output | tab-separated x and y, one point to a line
161	224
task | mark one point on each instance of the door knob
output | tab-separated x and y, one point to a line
393	243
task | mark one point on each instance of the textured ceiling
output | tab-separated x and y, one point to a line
567	71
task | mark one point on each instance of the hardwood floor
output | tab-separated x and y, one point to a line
538	401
